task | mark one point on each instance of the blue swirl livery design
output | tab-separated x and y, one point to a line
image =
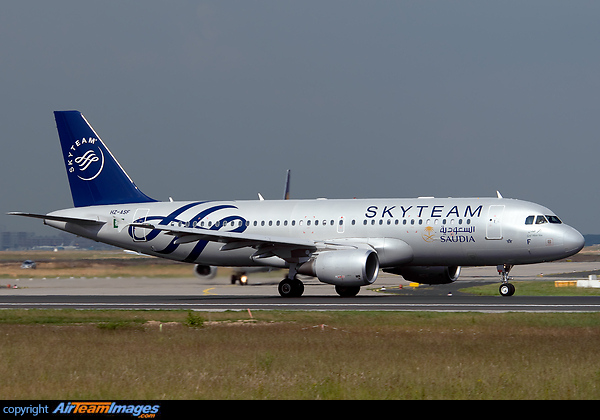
344	243
195	222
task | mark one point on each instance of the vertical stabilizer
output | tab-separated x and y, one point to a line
95	176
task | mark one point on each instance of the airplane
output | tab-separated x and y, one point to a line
342	242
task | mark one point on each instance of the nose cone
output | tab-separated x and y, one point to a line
573	241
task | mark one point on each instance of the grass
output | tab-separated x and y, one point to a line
89	264
69	354
93	354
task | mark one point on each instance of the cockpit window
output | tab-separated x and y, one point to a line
539	220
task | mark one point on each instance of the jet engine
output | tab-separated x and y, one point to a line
356	267
427	274
205	272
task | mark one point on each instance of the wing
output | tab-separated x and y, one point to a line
290	249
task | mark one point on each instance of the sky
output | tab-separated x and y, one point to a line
211	100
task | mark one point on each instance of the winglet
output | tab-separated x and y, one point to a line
286	191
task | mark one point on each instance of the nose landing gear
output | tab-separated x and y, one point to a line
506	288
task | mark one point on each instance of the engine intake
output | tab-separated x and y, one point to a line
427	274
357	267
205	272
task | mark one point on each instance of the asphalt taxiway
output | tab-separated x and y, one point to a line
261	293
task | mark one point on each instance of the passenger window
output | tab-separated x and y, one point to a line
529	220
540	220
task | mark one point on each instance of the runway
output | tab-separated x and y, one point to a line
261	294
309	303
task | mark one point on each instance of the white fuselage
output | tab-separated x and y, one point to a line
437	231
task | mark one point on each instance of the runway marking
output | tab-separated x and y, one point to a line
444	307
206	292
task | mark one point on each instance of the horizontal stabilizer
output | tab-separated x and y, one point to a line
78	220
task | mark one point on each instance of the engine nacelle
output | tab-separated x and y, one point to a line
427	274
205	272
356	267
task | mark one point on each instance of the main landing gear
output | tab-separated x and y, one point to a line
290	288
295	288
506	288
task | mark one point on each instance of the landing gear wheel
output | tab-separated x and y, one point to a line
347	291
507	289
291	288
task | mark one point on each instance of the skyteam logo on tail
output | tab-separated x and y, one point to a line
85	159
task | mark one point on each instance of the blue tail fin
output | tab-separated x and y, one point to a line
95	176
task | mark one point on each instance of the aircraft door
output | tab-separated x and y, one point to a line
139	234
494	222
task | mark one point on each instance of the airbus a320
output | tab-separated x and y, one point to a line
344	243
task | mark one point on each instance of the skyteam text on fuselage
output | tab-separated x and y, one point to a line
341	242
